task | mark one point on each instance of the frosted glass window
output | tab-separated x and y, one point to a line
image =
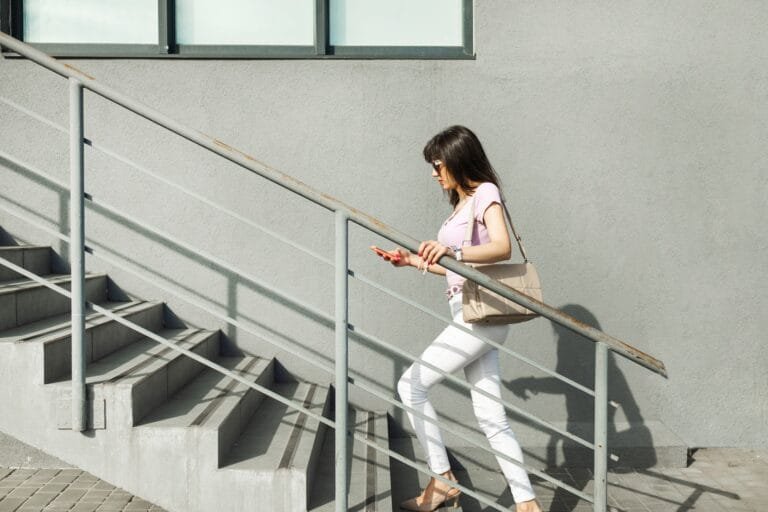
396	23
91	21
246	22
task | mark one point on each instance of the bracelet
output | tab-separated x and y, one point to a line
425	269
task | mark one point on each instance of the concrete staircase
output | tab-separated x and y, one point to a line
161	425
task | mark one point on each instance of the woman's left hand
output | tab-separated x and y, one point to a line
432	250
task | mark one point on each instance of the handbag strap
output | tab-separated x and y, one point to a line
471	227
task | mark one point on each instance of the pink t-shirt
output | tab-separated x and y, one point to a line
454	228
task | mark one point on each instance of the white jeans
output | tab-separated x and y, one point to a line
452	350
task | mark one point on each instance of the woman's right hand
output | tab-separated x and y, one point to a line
405	258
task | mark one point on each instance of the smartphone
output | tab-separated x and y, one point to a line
386	254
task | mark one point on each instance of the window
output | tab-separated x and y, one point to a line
243	28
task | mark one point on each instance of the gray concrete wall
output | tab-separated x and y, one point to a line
630	137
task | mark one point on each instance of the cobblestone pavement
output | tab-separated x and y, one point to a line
717	479
59	490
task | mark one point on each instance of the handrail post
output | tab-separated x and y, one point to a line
342	354
601	428
77	252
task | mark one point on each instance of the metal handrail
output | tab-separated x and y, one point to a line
78	81
288	182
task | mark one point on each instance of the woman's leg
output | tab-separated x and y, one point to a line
492	418
450	351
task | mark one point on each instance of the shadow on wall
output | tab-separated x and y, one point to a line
576	360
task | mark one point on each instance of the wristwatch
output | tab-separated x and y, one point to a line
457	253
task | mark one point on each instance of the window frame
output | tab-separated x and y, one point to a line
11	22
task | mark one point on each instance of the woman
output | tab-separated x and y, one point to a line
464	172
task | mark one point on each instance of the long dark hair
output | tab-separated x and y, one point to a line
460	150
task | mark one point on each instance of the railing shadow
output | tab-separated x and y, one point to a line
59	265
576	360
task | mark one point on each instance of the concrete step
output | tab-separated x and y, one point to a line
134	380
25	301
219	406
33	258
276	455
102	335
52	324
182	438
368	482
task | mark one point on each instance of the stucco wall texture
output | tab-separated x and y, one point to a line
630	138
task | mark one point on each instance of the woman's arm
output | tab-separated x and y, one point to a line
498	249
408	259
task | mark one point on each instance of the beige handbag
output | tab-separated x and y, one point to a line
482	306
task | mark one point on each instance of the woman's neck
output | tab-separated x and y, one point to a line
463	193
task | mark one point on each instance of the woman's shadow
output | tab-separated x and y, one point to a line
576	361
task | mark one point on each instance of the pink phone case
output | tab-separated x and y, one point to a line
392	255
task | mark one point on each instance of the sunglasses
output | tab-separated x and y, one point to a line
436	164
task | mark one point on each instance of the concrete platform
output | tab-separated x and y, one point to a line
714	480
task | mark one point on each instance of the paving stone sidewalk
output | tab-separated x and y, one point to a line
59	490
717	479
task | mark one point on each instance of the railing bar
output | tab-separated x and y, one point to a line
212	258
170	183
210	203
341	359
270	393
600	469
33	114
443	318
77	254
